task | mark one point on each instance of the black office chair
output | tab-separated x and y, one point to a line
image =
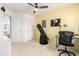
65	38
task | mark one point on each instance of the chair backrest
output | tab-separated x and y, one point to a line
65	36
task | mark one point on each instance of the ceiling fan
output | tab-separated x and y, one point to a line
36	7
3	9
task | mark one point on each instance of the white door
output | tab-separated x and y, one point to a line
27	28
5	42
16	29
21	27
4	27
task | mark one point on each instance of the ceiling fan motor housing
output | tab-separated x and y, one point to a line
36	5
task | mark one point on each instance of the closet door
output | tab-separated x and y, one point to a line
16	29
5	42
27	28
5	27
1	31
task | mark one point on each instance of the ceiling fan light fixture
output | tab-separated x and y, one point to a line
36	9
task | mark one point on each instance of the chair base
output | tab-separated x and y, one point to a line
66	51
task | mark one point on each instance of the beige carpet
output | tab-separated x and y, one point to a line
32	48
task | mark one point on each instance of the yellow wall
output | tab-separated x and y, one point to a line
69	15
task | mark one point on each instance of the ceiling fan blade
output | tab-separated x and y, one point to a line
31	4
43	6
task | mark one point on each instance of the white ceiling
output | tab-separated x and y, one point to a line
52	6
18	7
24	7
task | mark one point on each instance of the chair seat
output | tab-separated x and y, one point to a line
66	44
